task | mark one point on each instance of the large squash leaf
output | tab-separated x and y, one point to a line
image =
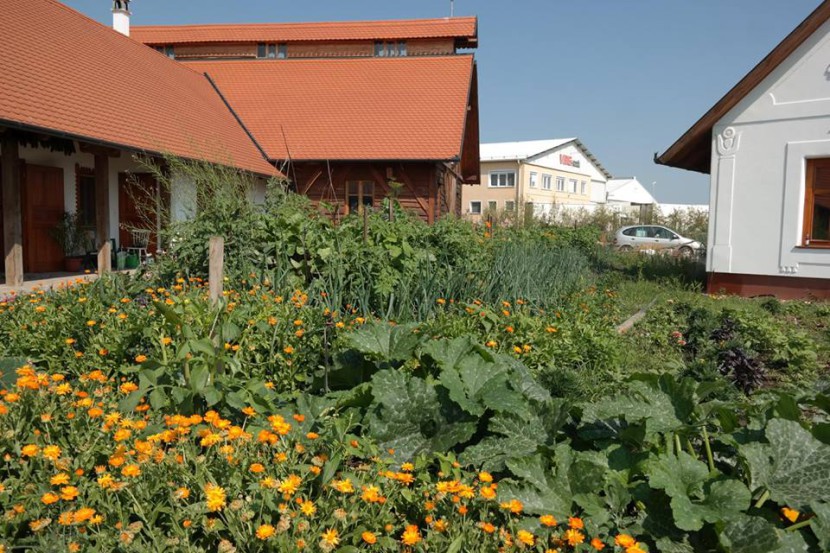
408	417
794	466
385	342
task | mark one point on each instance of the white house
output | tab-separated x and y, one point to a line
625	193
537	174
766	146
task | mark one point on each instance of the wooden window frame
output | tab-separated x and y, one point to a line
81	173
809	204
361	194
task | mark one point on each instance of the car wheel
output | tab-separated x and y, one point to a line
625	248
686	252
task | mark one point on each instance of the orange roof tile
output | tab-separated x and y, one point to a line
352	108
63	72
449	27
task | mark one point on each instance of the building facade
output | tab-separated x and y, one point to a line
536	177
766	147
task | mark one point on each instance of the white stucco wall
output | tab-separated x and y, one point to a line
182	198
759	153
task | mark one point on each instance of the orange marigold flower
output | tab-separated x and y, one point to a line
597	544
624	540
487	527
312	435
411	536
59	479
547	520
69	493
369	537
265	531
52	452
215	496
48	498
128	387
576	522
181	493
257	468
30	450
140	358
485	477
574	537
131	471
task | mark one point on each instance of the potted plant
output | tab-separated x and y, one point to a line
73	240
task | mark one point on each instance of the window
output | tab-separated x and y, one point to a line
546	182
360	194
509	205
582	187
572	182
475	208
168	51
502	179
817	204
492	205
390	49
660	232
271	51
560	184
85	197
534	179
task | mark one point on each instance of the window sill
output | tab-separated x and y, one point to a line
814	247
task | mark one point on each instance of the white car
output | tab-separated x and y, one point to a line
655	237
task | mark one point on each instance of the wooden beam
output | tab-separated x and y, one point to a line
408	183
310	182
99	150
12	211
432	195
102	213
216	270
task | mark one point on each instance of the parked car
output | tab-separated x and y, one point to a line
655	237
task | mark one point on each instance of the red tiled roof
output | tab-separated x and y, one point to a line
63	72
449	27
350	109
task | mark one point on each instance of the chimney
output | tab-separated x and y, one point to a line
121	16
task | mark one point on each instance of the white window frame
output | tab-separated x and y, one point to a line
505	174
472	210
560	184
573	183
546	181
534	179
492	205
509	206
583	187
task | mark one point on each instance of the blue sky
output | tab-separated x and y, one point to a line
628	77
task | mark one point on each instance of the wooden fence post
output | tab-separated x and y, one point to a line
216	275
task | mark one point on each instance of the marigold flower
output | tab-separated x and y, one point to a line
411	535
574	537
597	544
369	537
215	496
265	531
279	425
128	387
624	540
547	520
52	452
131	471
576	522
485	477
343	486
790	514
30	450
487	527
83	515
312	435
526	538
69	493
256	468
59	479
331	537
140	358
308	508
48	498
181	493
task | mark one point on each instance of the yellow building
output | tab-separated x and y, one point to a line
536	176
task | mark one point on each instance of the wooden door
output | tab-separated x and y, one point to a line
139	207
43	209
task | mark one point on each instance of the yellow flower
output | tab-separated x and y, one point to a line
265	531
215	496
526	537
576	522
288	487
331	537
69	493
411	535
59	479
181	493
308	509
140	358
131	471
624	540
343	486
30	450
485	477
166	341
49	498
369	538
279	425
52	452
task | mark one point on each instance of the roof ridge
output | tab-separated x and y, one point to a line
305	23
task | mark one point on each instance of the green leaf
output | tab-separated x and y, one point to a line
641	402
408	418
212	396
794	467
385	342
746	534
199	378
158	399
130	402
530	469
821	524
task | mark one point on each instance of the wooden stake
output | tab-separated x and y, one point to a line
12	211
365	225
216	275
102	213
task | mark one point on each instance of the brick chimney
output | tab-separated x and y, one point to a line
121	16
